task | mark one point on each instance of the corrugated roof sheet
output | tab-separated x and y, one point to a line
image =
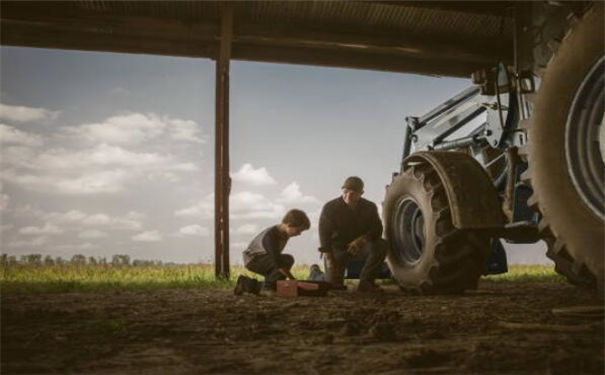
389	30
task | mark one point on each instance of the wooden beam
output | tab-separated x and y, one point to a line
25	34
222	181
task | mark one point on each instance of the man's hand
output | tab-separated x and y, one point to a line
287	273
356	245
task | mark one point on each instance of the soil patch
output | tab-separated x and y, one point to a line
499	328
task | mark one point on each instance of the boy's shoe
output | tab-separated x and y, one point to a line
267	289
246	285
239	286
267	292
341	287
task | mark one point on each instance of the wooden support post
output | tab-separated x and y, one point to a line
222	181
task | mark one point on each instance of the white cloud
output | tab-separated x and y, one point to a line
130	221
184	167
149	236
119	91
194	230
74	247
203	209
4	228
243	205
36	241
106	167
292	195
184	130
246	229
18	157
11	135
4	199
110	181
102	155
72	216
314	217
136	128
238	246
25	114
248	205
91	234
256	177
125	129
163	176
46	229
99	182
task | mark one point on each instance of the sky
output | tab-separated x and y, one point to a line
105	153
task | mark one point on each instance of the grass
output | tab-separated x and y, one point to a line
31	279
529	273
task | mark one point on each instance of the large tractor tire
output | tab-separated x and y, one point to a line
427	254
566	149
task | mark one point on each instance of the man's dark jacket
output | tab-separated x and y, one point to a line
339	224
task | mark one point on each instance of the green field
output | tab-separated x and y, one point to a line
529	273
27	279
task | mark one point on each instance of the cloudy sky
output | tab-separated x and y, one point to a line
106	154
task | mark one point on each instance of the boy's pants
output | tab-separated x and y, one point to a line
264	264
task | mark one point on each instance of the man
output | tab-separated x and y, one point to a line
350	229
264	254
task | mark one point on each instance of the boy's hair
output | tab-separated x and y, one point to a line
297	218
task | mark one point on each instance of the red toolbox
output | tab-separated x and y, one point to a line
295	288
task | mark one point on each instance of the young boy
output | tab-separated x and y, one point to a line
264	254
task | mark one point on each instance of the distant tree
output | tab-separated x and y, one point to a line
78	259
12	260
103	260
120	260
32	259
49	261
60	261
143	263
116	260
92	260
4	259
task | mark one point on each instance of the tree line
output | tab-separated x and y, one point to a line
78	259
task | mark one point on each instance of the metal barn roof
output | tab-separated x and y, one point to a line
437	38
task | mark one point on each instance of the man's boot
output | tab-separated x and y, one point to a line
366	286
254	286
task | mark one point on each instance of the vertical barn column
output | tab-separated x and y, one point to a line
222	181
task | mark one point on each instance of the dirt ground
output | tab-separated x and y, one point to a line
499	328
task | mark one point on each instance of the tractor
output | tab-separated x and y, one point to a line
518	156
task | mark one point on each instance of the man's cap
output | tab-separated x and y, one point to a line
353	183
